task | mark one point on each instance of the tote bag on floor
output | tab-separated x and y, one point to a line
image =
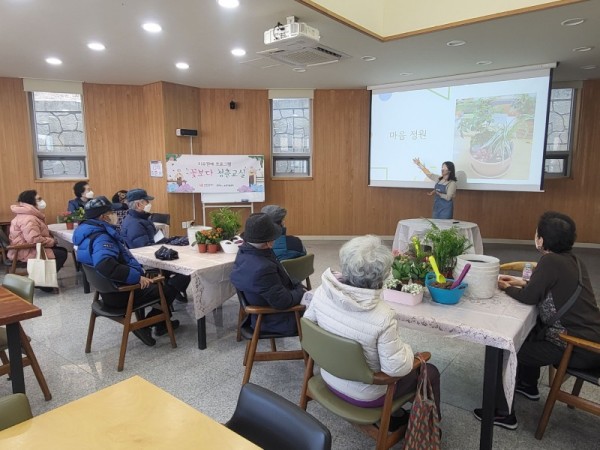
41	269
423	431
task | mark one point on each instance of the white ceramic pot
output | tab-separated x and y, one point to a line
482	278
231	246
404	298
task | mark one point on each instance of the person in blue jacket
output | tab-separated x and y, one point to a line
100	246
83	193
261	277
137	230
285	246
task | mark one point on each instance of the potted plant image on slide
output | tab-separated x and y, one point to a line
491	129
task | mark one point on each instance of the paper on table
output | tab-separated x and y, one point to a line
159	236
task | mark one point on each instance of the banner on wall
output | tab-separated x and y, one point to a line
215	174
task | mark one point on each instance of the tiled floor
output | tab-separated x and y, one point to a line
209	380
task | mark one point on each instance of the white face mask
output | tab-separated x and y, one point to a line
41	204
147	207
89	194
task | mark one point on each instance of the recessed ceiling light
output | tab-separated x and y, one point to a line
368	58
238	52
483	63
590	67
182	65
583	49
152	27
96	46
299	69
572	22
54	61
405	74
229	3
455	43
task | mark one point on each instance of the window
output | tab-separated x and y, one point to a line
561	124
58	135
291	133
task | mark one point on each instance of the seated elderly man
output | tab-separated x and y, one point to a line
285	246
349	304
262	278
100	245
138	230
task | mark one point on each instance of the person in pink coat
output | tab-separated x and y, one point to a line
29	227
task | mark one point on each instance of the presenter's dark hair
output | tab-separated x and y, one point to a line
451	170
79	188
558	231
28	197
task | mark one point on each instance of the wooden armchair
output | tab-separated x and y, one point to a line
571	399
344	358
125	314
14	266
254	335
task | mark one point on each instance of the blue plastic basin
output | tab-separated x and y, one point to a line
444	296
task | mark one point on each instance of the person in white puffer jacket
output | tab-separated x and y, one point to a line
349	304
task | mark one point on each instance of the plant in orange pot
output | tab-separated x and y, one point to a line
66	218
213	237
201	238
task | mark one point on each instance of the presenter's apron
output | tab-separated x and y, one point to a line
442	209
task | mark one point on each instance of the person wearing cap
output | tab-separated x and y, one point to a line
285	246
260	276
83	192
100	246
137	230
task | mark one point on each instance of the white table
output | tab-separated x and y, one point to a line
500	323
65	237
408	228
209	274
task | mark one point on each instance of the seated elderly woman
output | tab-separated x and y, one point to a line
29	227
349	304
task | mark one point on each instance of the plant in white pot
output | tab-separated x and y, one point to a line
407	294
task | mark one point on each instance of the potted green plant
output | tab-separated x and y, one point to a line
446	245
200	241
229	221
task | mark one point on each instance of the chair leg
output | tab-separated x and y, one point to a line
126	326
576	390
308	373
241	317
3	357
88	343
273	345
34	364
251	350
551	374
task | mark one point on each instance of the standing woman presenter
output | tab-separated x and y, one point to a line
444	191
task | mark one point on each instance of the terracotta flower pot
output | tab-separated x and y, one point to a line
70	225
213	248
202	248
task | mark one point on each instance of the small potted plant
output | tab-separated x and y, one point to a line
213	237
66	218
446	245
404	293
228	221
200	241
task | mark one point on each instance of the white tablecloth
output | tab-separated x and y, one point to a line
209	273
499	322
65	237
407	228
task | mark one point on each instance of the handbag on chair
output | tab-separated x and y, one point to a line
41	269
423	429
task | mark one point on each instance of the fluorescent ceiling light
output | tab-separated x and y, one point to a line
97	46
54	61
182	65
229	3
238	52
152	27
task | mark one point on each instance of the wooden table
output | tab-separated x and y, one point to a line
14	309
132	414
500	323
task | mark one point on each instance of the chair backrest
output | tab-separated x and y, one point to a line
272	422
4	241
14	409
161	218
517	266
100	283
242	298
22	286
340	356
300	268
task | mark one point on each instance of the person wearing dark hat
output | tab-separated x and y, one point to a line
100	246
261	277
137	230
285	246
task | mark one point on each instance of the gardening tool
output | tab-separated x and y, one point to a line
461	276
438	276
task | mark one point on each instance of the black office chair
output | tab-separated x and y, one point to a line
272	422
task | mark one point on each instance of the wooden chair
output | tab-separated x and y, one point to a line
253	336
299	269
124	315
14	266
23	287
344	358
273	423
571	399
516	266
14	409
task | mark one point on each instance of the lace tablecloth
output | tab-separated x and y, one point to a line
65	237
209	273
407	228
500	322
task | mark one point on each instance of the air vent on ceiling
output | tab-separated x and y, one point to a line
305	56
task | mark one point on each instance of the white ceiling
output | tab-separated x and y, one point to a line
202	34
